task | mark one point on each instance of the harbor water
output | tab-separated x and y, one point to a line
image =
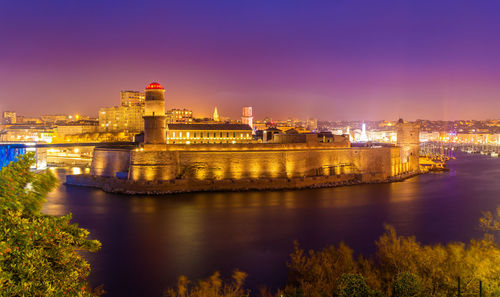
148	241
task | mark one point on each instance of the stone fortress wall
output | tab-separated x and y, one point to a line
250	161
108	161
299	160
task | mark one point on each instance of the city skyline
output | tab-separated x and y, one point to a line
340	60
249	148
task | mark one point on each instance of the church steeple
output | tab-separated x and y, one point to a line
216	115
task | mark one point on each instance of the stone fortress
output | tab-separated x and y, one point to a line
284	162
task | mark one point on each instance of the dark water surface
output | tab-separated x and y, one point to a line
147	242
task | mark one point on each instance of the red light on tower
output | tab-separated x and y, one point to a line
154	86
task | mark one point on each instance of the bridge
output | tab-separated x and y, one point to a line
9	151
63	144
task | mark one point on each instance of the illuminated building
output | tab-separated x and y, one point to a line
290	158
329	137
259	126
208	133
179	116
124	118
268	134
216	115
224	156
472	138
129	98
9	117
78	117
429	136
247	117
154	115
63	131
27	120
55	118
387	136
27	133
121	118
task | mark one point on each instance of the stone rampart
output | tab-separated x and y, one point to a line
153	165
202	162
249	161
180	168
108	161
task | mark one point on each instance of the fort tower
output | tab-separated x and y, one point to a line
154	115
409	142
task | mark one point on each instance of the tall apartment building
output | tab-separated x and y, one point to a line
121	118
179	116
124	118
129	98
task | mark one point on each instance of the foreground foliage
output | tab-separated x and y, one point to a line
491	224
38	253
400	267
211	287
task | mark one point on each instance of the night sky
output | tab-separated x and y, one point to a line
332	60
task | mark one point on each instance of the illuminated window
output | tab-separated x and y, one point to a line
187	134
180	134
173	134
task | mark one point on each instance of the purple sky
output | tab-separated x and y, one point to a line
336	60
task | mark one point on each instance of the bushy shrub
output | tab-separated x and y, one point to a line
38	253
354	285
406	285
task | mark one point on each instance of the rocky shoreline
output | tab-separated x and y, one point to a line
122	186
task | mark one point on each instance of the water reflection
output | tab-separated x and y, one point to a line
149	241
